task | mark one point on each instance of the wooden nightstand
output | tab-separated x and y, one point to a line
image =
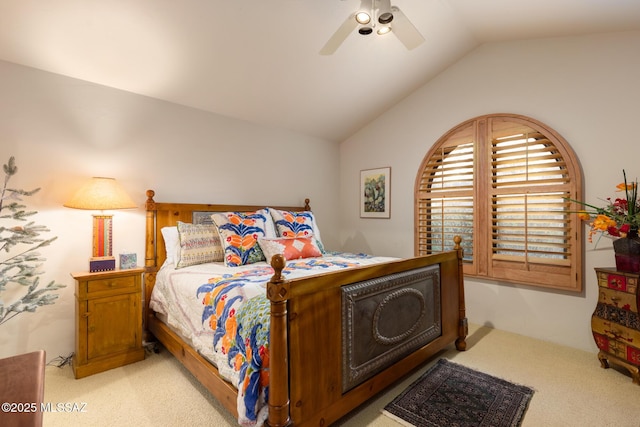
108	320
616	322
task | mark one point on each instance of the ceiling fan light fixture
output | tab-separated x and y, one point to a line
375	15
385	18
384	12
363	18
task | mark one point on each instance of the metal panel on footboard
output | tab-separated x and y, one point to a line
386	318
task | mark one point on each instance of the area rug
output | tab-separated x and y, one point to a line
449	395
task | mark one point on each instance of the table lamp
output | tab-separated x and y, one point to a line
101	194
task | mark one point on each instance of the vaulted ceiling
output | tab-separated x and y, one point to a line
258	60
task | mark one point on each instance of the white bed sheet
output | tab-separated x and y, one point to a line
175	295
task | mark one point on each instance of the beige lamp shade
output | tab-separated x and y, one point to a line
101	194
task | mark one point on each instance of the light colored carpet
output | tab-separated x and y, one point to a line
570	389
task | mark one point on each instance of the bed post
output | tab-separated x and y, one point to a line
150	260
278	293
463	328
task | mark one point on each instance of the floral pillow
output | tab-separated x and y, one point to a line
239	233
296	224
199	244
291	248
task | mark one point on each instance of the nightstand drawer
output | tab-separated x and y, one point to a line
107	284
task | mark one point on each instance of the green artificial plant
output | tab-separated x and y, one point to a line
22	267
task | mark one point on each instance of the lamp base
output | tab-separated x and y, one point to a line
104	263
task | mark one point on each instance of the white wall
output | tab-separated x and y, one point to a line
63	131
586	88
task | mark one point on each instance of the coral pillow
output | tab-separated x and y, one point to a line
296	224
292	248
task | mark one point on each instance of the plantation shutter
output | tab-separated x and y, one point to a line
444	202
531	225
501	182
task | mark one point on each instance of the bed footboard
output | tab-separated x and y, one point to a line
315	377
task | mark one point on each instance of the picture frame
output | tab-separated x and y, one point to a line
375	193
128	261
201	217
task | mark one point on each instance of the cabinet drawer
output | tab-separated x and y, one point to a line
617	348
108	284
618	282
627	318
615	331
621	300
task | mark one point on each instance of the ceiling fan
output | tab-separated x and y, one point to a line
375	16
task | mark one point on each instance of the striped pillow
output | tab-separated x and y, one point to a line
199	244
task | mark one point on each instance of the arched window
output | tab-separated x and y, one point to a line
502	182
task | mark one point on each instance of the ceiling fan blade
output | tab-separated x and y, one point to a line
406	32
339	36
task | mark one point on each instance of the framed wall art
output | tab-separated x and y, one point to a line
375	193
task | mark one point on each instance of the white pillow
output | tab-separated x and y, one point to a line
269	226
171	243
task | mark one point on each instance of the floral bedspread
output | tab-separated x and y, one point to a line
234	320
241	336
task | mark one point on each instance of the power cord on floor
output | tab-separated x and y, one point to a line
61	361
151	347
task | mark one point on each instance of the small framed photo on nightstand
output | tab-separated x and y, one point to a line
128	261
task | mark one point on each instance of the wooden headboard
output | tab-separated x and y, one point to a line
161	215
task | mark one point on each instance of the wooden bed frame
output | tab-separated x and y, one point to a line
305	361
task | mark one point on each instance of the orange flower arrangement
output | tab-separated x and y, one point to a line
619	217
